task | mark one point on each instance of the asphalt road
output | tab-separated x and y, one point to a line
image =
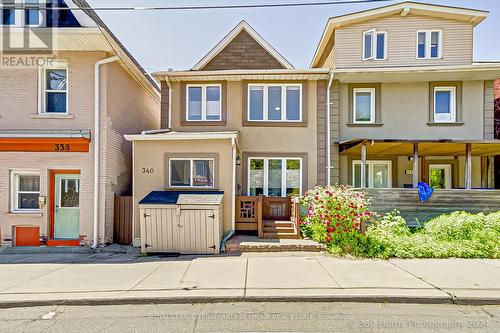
253	317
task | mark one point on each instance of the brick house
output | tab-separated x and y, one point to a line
54	179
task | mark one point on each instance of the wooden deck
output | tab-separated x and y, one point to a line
441	202
270	217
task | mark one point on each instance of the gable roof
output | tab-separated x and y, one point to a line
473	16
242	26
128	61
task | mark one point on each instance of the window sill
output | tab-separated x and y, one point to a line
203	123
51	116
445	124
365	124
25	214
248	123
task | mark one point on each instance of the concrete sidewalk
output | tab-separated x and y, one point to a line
122	279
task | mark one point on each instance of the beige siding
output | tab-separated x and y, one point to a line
129	110
405	114
401	39
262	139
151	154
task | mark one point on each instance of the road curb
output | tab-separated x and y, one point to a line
233	299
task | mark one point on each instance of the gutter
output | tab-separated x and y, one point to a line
97	150
328	135
233	200
169	102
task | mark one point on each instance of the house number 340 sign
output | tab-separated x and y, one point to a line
148	170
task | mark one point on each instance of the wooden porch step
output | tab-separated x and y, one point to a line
279	231
280	235
289	224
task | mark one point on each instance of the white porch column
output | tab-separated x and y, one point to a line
468	166
415	165
363	164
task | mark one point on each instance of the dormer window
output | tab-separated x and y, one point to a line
429	44
374	45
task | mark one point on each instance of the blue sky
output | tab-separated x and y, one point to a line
178	39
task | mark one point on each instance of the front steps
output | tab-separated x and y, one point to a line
245	243
279	230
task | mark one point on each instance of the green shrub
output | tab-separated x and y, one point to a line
335	214
459	234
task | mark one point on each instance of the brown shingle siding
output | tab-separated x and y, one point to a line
243	52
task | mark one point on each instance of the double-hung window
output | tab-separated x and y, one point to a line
363	105
374	45
204	102
377	174
8	14
445	105
275	177
429	44
25	191
54	89
191	172
275	102
32	15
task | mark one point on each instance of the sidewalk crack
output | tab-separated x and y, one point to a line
144	278
453	297
246	280
334	280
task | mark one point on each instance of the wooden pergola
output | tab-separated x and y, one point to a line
416	148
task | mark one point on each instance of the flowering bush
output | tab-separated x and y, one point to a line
334	216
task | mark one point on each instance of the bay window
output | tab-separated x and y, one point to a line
25	191
275	102
191	172
203	102
377	174
276	177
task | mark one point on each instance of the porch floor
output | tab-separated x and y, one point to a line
246	243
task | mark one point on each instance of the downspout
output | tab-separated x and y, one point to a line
169	125
97	124
328	135
233	201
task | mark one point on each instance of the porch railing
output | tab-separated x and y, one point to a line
251	211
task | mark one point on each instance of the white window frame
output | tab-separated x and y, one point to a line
203	101
453	105
191	161
372	105
373	55
370	164
42	87
20	14
428	34
265	99
14	190
283	173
